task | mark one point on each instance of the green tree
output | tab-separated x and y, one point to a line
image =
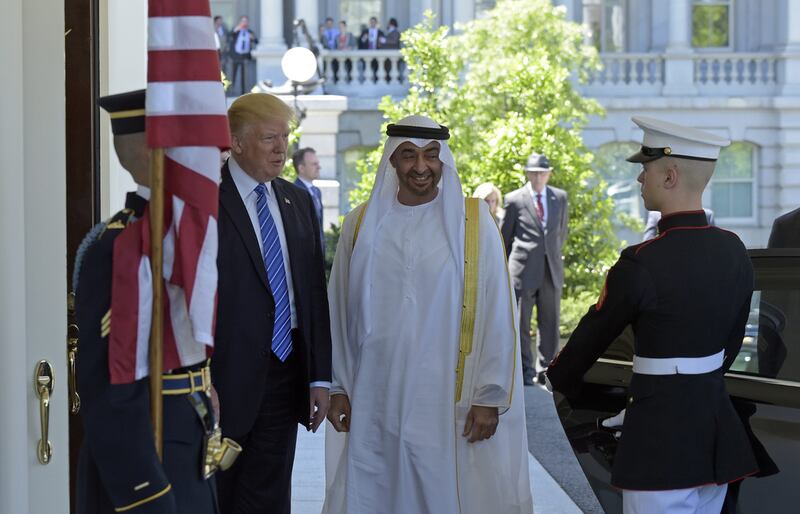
504	86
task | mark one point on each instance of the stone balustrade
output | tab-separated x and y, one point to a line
713	74
364	73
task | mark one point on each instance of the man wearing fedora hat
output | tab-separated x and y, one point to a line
534	230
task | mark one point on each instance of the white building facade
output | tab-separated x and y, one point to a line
728	66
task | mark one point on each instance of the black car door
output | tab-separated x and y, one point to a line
764	384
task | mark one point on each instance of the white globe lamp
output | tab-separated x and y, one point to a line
299	64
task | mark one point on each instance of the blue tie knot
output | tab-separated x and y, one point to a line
260	189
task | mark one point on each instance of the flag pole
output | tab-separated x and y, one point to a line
156	353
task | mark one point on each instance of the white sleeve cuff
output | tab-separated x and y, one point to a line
321	383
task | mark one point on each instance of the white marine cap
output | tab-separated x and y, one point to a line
662	139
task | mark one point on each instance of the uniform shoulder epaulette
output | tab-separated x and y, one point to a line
120	220
117	222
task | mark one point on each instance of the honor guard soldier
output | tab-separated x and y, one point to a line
119	469
686	294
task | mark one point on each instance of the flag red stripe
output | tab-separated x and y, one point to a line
125	304
182	65
158	8
193	188
205	130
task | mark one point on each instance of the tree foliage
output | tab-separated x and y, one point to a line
504	86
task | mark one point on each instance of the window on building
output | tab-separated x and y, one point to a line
481	6
604	22
711	23
732	187
358	12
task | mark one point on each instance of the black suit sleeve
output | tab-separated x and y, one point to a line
508	225
116	418
320	368
627	291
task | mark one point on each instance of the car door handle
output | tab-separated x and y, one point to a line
43	379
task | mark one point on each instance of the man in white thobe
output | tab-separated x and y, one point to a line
427	407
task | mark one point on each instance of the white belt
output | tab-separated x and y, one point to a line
678	365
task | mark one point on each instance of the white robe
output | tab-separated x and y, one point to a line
405	453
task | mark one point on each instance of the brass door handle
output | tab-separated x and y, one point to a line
43	379
72	355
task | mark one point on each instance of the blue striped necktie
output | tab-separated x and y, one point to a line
276	275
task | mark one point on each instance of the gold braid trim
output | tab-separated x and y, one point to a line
471	252
144	500
363	208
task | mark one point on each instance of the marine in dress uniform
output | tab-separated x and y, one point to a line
119	470
686	294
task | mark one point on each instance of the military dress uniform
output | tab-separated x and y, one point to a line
118	468
687	295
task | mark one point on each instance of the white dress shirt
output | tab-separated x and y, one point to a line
246	186
544	201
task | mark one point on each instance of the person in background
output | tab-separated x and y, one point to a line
221	41
391	40
492	196
306	164
371	36
331	33
241	42
535	229
346	40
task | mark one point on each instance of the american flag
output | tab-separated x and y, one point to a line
185	115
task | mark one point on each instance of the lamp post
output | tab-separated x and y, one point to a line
299	65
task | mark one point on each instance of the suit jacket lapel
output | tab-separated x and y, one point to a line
552	209
234	205
528	199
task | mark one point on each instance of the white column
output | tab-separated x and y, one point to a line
463	11
123	58
678	63
417	8
272	45
308	10
790	64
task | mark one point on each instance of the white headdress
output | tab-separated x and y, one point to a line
420	131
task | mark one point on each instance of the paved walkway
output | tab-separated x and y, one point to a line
308	481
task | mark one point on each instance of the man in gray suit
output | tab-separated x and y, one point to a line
534	230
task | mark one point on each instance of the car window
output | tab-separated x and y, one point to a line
771	345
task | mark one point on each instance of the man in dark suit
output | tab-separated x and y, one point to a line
241	42
306	164
534	231
118	468
272	366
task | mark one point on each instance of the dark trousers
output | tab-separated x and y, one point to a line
240	64
547	300
261	479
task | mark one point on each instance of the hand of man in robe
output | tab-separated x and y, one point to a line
481	423
339	413
319	402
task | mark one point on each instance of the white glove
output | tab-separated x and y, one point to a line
615	421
